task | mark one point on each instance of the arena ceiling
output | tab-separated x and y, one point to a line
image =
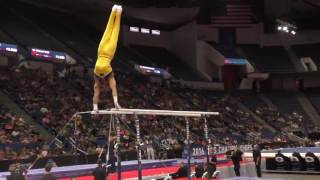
94	11
314	2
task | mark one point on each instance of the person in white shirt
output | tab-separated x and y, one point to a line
150	149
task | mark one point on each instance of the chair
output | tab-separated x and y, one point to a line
193	175
214	175
310	163
295	163
280	163
204	175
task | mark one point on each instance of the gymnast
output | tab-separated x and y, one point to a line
103	74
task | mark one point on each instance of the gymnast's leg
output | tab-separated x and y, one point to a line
113	41
109	41
107	33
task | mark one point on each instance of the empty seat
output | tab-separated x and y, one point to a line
295	163
310	163
280	163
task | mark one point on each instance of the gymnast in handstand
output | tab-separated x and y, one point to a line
103	73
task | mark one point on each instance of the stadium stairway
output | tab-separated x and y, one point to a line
257	118
287	102
291	136
309	108
266	100
294	59
17	110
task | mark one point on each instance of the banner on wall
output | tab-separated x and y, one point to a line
235	61
198	151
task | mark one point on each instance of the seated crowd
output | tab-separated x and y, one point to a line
52	101
18	139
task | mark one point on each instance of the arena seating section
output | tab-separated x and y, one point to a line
269	59
51	101
53	107
18	139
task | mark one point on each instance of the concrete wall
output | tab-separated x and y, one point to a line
206	54
291	83
184	41
310	82
251	35
3	61
207	33
287	84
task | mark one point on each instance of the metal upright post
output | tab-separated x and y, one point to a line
188	147
138	147
75	141
206	135
118	146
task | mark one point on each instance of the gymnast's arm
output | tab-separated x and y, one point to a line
113	87
96	93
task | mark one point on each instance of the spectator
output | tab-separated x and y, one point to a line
48	175
150	149
99	173
199	170
15	173
212	167
257	159
236	158
181	172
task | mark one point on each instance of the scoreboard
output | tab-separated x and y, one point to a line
48	55
8	49
145	70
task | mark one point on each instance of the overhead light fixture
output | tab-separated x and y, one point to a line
145	31
155	32
287	27
134	29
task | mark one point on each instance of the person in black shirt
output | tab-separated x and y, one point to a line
15	173
48	175
182	172
257	159
99	172
212	167
199	170
236	157
16	177
112	153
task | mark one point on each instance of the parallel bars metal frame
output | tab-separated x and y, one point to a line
136	112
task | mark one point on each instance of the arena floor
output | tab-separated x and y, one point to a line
153	172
